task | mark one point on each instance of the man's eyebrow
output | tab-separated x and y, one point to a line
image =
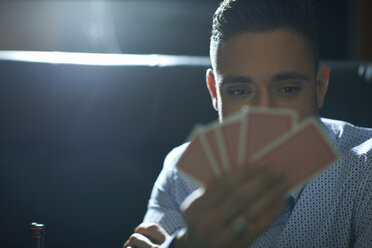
289	76
277	77
235	79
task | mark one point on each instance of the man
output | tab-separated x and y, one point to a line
264	53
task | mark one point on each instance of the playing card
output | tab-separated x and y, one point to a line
228	137
197	161
299	154
215	146
263	126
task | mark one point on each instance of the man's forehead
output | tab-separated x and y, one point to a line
276	51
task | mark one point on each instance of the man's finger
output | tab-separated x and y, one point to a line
259	212
245	195
260	226
219	189
137	240
153	232
266	201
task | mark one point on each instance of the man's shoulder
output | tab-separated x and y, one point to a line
183	182
174	155
339	126
349	136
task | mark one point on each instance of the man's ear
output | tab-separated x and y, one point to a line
212	87
322	83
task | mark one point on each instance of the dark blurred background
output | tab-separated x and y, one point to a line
80	146
165	27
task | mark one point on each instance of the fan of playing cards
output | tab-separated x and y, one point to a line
271	137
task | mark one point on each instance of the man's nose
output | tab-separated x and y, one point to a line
265	99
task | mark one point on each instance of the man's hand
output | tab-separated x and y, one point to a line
146	235
234	210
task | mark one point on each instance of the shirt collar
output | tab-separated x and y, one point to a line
295	194
329	131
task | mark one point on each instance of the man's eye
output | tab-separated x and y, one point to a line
237	92
289	89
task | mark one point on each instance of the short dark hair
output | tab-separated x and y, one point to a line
237	16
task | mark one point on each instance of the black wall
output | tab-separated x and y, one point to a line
80	146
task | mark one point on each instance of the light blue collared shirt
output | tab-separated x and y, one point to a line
334	209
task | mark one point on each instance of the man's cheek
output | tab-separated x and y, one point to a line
232	109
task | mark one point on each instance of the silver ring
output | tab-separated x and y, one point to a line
239	225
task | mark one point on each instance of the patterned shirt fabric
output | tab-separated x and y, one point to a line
334	209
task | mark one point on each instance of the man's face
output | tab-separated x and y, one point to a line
268	69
